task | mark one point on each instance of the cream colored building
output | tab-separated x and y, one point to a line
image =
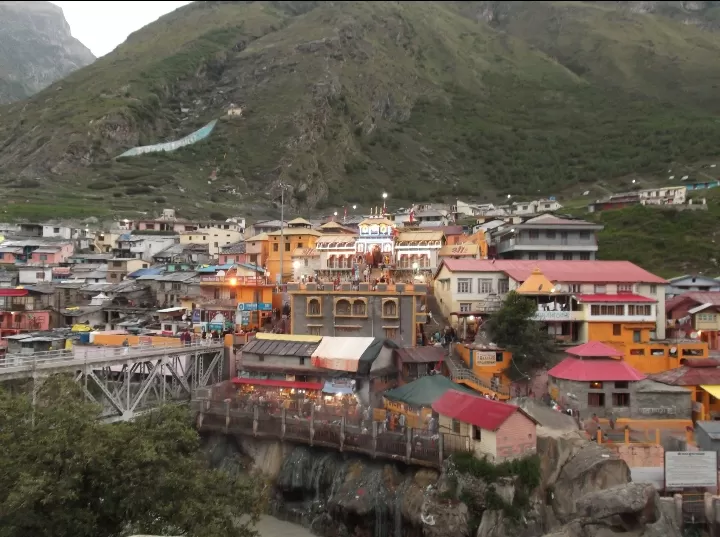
213	237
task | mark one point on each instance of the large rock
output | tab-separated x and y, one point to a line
633	504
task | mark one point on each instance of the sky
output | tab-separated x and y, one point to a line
102	26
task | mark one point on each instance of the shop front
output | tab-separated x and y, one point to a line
275	392
339	396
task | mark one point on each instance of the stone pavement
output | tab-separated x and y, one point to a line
272	527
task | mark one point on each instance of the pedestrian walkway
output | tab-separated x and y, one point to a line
269	526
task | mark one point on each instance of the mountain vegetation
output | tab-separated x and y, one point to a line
426	100
36	48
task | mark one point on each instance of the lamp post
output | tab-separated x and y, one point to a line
384	199
283	186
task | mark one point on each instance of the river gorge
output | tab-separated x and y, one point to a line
581	490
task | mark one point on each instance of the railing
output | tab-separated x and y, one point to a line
15	362
458	371
413	446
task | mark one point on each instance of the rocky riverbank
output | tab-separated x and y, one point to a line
580	490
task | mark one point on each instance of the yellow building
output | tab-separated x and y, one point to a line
282	244
257	249
214	237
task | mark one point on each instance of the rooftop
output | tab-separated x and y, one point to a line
594	349
594	271
237	248
476	410
693	373
696	297
596	370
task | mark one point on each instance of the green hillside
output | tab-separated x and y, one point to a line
341	100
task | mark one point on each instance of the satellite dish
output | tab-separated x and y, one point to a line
694	335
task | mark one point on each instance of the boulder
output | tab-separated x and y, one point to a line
634	504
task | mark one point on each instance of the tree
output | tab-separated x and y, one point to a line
512	327
64	474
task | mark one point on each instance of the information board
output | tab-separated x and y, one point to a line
687	469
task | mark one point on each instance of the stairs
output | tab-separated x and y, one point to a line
460	374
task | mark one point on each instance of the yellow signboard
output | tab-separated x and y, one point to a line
484	358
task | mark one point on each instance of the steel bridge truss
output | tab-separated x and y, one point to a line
127	389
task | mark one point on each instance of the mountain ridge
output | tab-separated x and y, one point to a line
36	48
342	100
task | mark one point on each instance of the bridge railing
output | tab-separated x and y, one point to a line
414	446
19	361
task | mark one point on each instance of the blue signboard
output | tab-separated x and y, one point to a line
254	306
196	316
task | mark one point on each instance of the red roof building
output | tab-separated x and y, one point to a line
594	349
595	370
492	429
558	271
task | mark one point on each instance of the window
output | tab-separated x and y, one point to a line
233	295
465	307
302	360
600	289
56	230
313	307
175	287
314	330
621	399
597	309
585	235
596	400
391	333
503	286
261	358
617	330
477	433
637	352
653	289
625	288
39	275
485	286
567	256
359	308
532	256
636	336
306	262
300	245
596	385
584	256
622	385
117	264
464	285
550	256
708	317
550	234
534	234
575	288
390	309
275	247
287	246
638	310
343	307
456	426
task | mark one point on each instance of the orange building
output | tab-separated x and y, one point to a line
282	244
239	297
488	366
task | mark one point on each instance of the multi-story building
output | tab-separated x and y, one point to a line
695	314
615	302
233	253
119	268
215	236
687	283
545	237
297	234
392	311
23	310
257	249
673	195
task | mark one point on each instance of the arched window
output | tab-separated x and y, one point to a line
313	307
342	307
390	309
359	308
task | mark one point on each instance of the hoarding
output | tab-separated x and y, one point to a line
687	469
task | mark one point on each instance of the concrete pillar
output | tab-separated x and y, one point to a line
374	438
408	444
599	436
342	433
283	416
312	424
256	418
657	437
678	509
627	435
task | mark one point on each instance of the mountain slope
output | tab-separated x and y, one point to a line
36	48
342	100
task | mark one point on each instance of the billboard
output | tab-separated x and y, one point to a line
687	469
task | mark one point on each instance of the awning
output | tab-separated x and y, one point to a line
340	353
13	292
712	389
171	310
344	387
279	383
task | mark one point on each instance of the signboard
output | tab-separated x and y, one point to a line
195	316
235	280
688	469
484	358
254	306
551	316
661	410
144	341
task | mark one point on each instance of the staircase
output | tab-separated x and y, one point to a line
460	374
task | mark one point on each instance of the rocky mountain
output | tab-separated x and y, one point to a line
36	48
341	100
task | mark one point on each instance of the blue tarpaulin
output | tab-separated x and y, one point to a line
343	388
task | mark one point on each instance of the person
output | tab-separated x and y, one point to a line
401	422
611	420
432	425
387	421
126	346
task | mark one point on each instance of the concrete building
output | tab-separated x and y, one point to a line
392	311
545	237
691	282
119	268
492	429
214	236
673	195
697	315
595	380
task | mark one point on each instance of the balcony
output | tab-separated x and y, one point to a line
30	305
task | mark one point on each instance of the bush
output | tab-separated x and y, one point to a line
135	190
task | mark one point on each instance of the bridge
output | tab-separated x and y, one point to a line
327	430
125	381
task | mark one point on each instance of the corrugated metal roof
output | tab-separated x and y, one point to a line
237	248
289	337
280	348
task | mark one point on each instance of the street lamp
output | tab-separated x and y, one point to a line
384	199
334	216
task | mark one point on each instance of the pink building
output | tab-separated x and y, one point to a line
492	429
9	255
51	255
233	254
25	310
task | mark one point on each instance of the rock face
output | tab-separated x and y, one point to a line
36	48
584	491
